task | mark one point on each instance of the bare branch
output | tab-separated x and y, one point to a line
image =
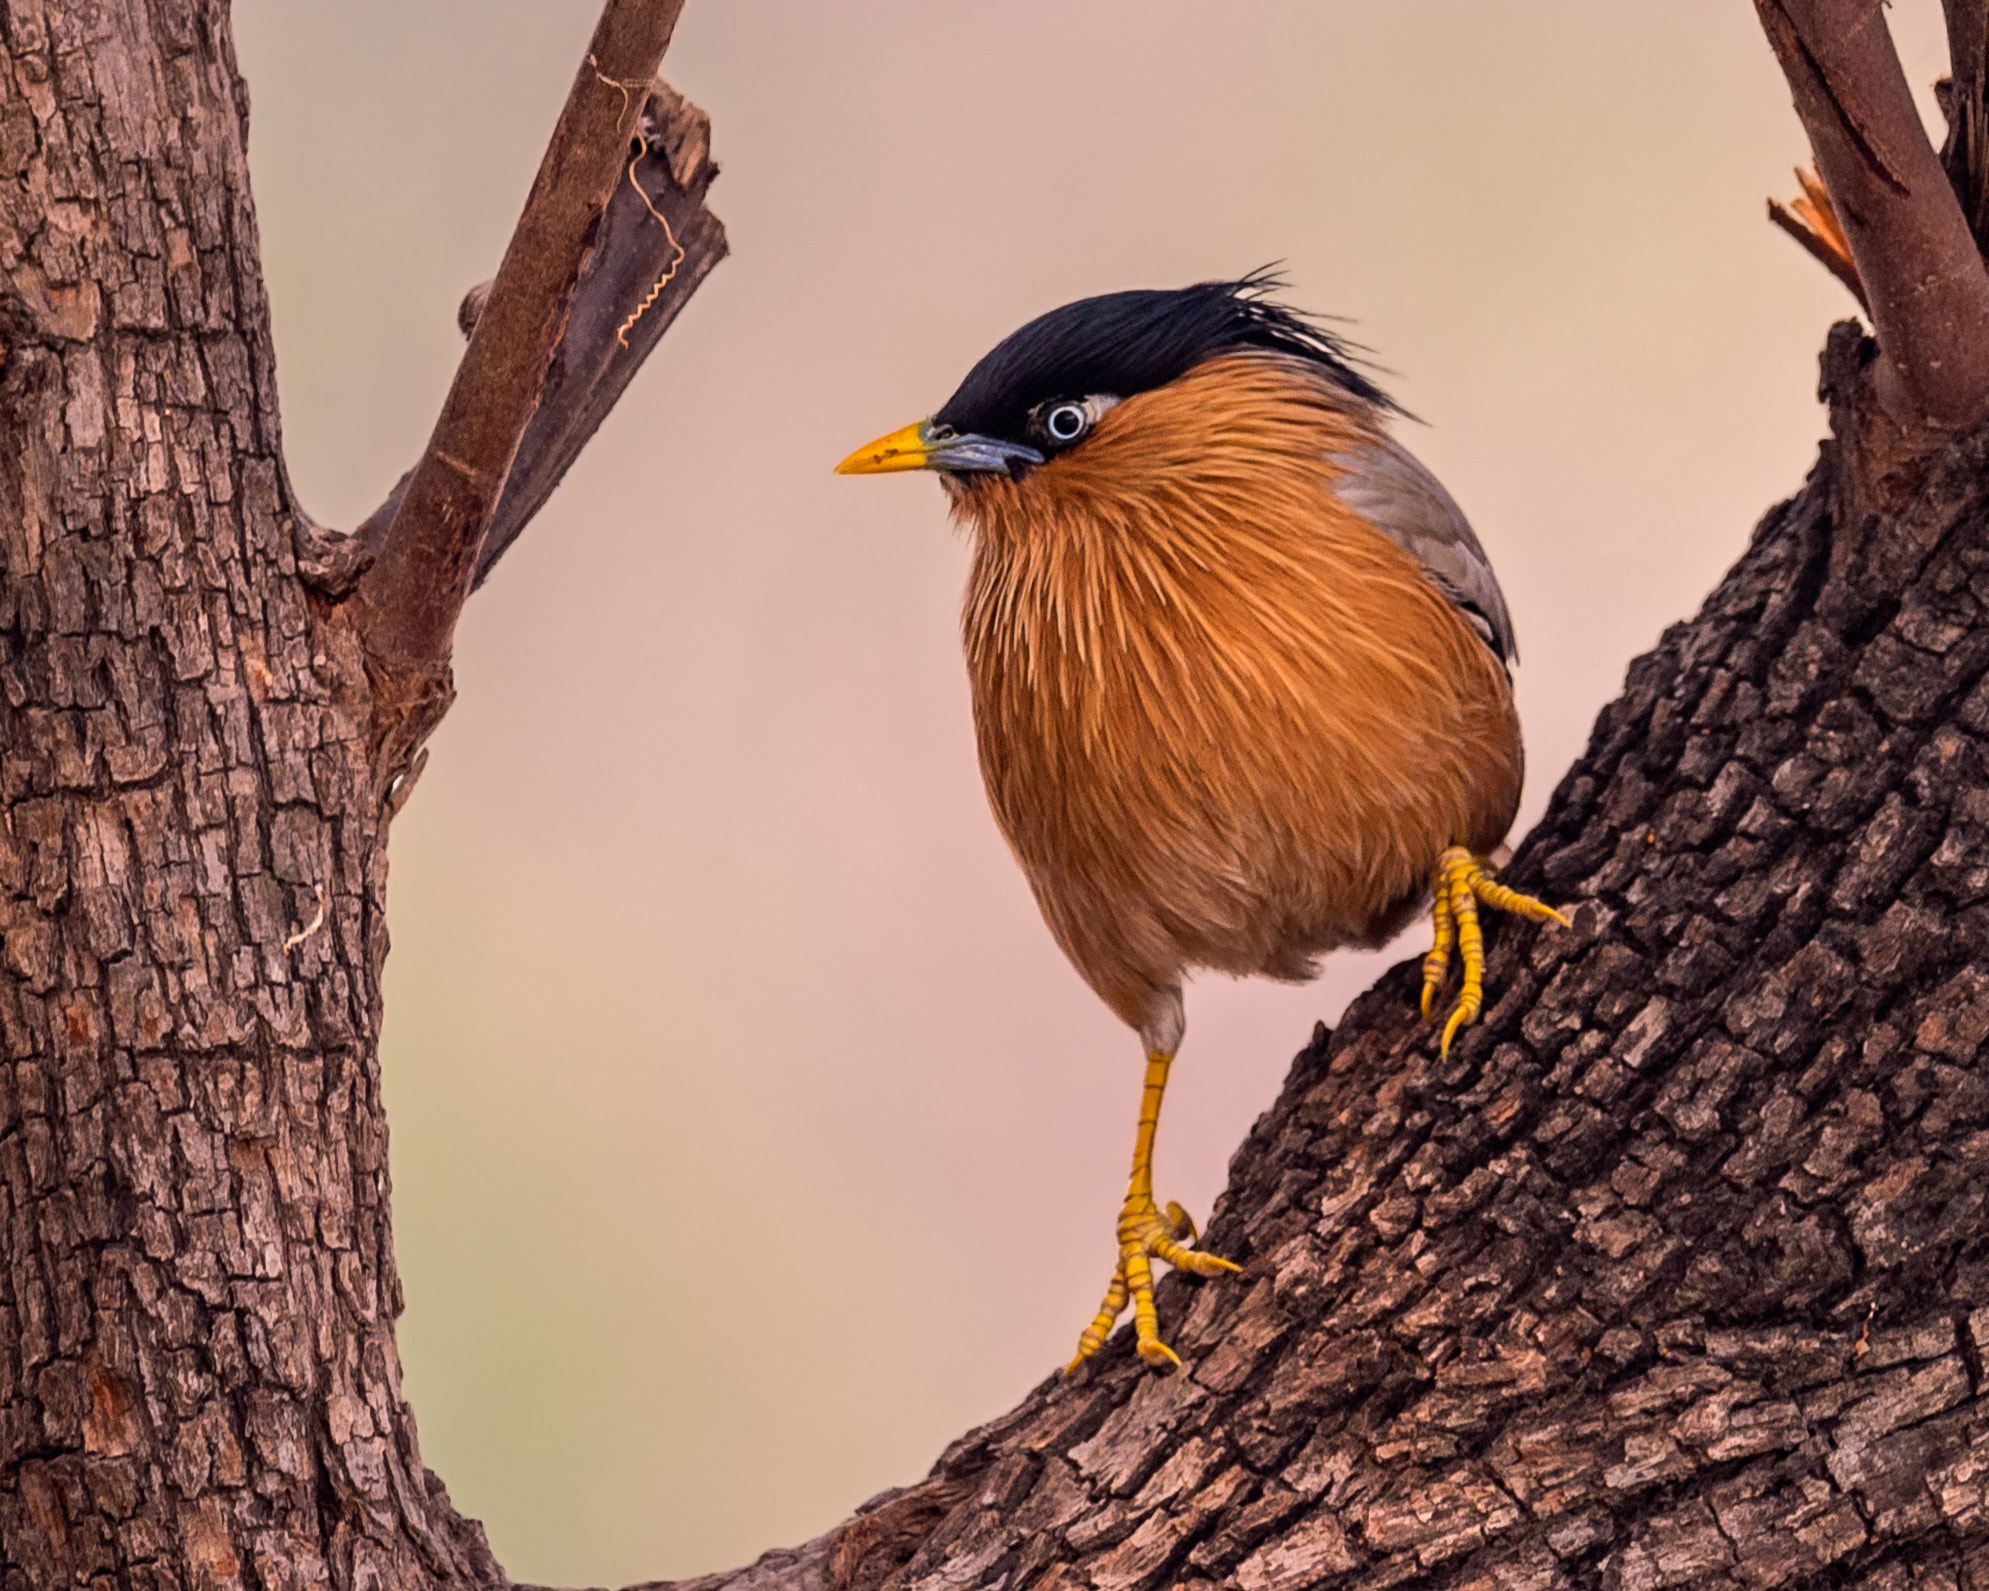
636	253
408	602
657	244
1922	272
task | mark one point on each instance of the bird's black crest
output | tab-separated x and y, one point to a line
1123	343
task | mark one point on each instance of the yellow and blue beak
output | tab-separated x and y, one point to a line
927	445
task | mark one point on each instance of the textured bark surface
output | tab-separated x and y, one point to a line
199	1384
1675	1274
198	1378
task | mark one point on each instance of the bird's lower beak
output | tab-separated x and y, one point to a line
925	446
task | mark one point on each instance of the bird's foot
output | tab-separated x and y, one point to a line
1460	882
1146	1233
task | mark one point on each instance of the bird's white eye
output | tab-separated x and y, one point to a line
1060	422
1067	422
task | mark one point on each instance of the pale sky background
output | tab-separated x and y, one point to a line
751	1139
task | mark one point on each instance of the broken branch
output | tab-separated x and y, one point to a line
1965	156
1812	221
658	242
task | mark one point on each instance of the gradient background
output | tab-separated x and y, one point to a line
751	1138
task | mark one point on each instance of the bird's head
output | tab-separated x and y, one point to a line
1045	389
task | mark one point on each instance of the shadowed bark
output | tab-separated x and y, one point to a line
1676	1273
1965	157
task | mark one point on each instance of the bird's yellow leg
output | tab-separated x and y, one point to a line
1146	1233
1461	881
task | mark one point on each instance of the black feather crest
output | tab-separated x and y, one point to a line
1123	343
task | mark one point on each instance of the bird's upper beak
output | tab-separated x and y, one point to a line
926	446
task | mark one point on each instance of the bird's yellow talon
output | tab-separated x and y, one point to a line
1108	1314
1147	1231
1189	1260
1156	1352
1459	883
1466	1011
1496	895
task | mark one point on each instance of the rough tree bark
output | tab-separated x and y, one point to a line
1676	1273
209	711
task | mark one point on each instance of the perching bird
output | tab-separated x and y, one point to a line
1239	666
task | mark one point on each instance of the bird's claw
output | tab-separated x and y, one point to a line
1460	882
1146	1232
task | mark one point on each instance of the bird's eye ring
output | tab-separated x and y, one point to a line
1067	422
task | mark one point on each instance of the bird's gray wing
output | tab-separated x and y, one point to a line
1387	485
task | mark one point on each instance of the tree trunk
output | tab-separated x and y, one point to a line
1673	1274
198	1378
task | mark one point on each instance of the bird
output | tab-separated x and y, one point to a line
1240	672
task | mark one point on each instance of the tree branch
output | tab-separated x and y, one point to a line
657	244
1915	253
634	256
408	602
